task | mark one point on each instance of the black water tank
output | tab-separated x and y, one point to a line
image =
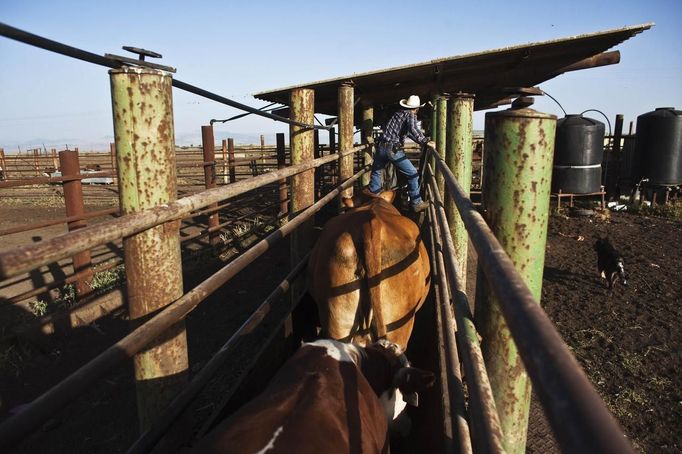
578	152
658	147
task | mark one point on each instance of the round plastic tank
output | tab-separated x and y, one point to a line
578	153
658	147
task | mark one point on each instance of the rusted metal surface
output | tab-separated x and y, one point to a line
230	157
39	225
20	259
208	148
3	163
441	131
224	173
302	142
17	427
73	199
486	433
283	190
612	167
577	414
448	440
112	154
367	128
458	157
346	115
457	411
485	74
519	144
47	180
145	148
148	440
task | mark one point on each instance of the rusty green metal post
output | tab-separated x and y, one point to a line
145	151
458	157
519	145
367	128
434	128
441	128
301	140
346	120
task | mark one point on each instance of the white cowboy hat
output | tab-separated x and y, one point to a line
412	102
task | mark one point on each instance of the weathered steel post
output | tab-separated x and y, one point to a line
143	127
224	172
346	120
281	163
73	199
367	128
613	160
301	141
55	159
458	157
519	149
3	163
434	129
230	157
317	153
441	127
208	146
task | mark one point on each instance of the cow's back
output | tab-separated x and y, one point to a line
340	274
314	404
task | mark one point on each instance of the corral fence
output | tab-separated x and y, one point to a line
516	335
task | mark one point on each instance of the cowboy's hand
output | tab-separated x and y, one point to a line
431	144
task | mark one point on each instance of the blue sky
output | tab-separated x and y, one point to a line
236	48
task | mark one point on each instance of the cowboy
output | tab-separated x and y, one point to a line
390	148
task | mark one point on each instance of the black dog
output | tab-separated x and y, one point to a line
609	262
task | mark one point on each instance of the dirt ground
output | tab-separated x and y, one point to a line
628	340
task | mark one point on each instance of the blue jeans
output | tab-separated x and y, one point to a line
383	156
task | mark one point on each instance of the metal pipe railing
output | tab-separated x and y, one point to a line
79	54
147	441
43	407
575	411
453	392
24	258
485	424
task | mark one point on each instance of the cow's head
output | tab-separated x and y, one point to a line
392	377
363	197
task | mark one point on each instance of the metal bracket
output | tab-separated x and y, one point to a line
142	53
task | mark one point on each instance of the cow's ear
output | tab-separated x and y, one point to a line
412	379
348	202
388	195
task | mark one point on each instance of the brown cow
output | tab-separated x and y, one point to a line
325	399
369	273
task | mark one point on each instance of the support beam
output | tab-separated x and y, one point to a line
519	149
145	152
367	128
208	146
458	157
441	128
346	120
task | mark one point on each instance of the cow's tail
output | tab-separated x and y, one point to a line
372	237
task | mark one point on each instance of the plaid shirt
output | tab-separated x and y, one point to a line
403	123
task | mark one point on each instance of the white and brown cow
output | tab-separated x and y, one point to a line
369	273
330	397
